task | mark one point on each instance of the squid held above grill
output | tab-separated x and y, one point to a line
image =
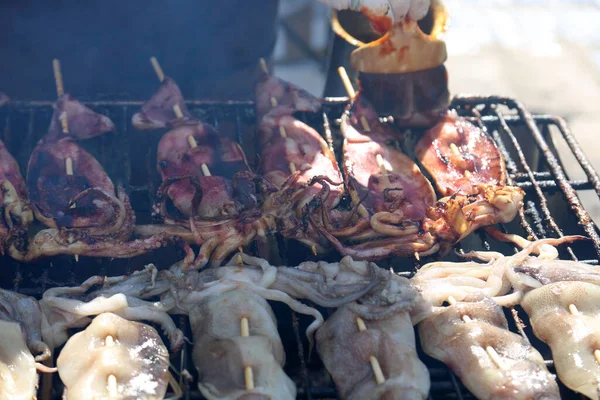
21	346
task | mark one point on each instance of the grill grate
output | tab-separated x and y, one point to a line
129	158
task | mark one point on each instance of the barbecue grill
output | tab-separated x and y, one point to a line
551	209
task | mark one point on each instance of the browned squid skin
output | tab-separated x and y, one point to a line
303	168
15	210
285	94
469	170
53	192
224	159
210	183
462	346
401	187
83	123
158	111
460	156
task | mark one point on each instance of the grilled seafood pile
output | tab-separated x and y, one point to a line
21	346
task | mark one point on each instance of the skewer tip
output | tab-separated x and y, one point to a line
157	69
347	83
263	65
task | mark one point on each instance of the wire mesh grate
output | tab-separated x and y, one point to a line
129	158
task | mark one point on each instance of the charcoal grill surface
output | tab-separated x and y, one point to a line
552	209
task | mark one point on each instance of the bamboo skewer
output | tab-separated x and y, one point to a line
192	142
60	89
574	311
64	122
283	134
352	94
157	68
263	65
492	353
454	149
111	386
375	366
248	373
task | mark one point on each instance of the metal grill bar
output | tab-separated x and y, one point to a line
500	117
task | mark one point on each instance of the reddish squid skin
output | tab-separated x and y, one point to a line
475	160
401	187
222	157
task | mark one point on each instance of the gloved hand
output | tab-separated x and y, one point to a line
396	10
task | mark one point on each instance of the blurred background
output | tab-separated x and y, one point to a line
544	53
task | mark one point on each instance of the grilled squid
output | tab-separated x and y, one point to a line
21	346
114	358
206	177
223	349
372	358
73	196
566	316
16	214
469	170
390	195
473	339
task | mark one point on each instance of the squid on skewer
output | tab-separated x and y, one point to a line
206	177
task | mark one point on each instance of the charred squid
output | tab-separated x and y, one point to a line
206	177
73	196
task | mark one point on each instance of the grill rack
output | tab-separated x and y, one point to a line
527	142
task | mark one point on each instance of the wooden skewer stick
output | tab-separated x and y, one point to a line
192	142
454	149
69	166
379	378
314	249
347	83
249	378
245	327
352	94
263	66
177	111
452	302
112	380
58	79
64	122
282	131
495	357
205	170
248	373
157	68
240	260
112	386
292	168
573	310
417	256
